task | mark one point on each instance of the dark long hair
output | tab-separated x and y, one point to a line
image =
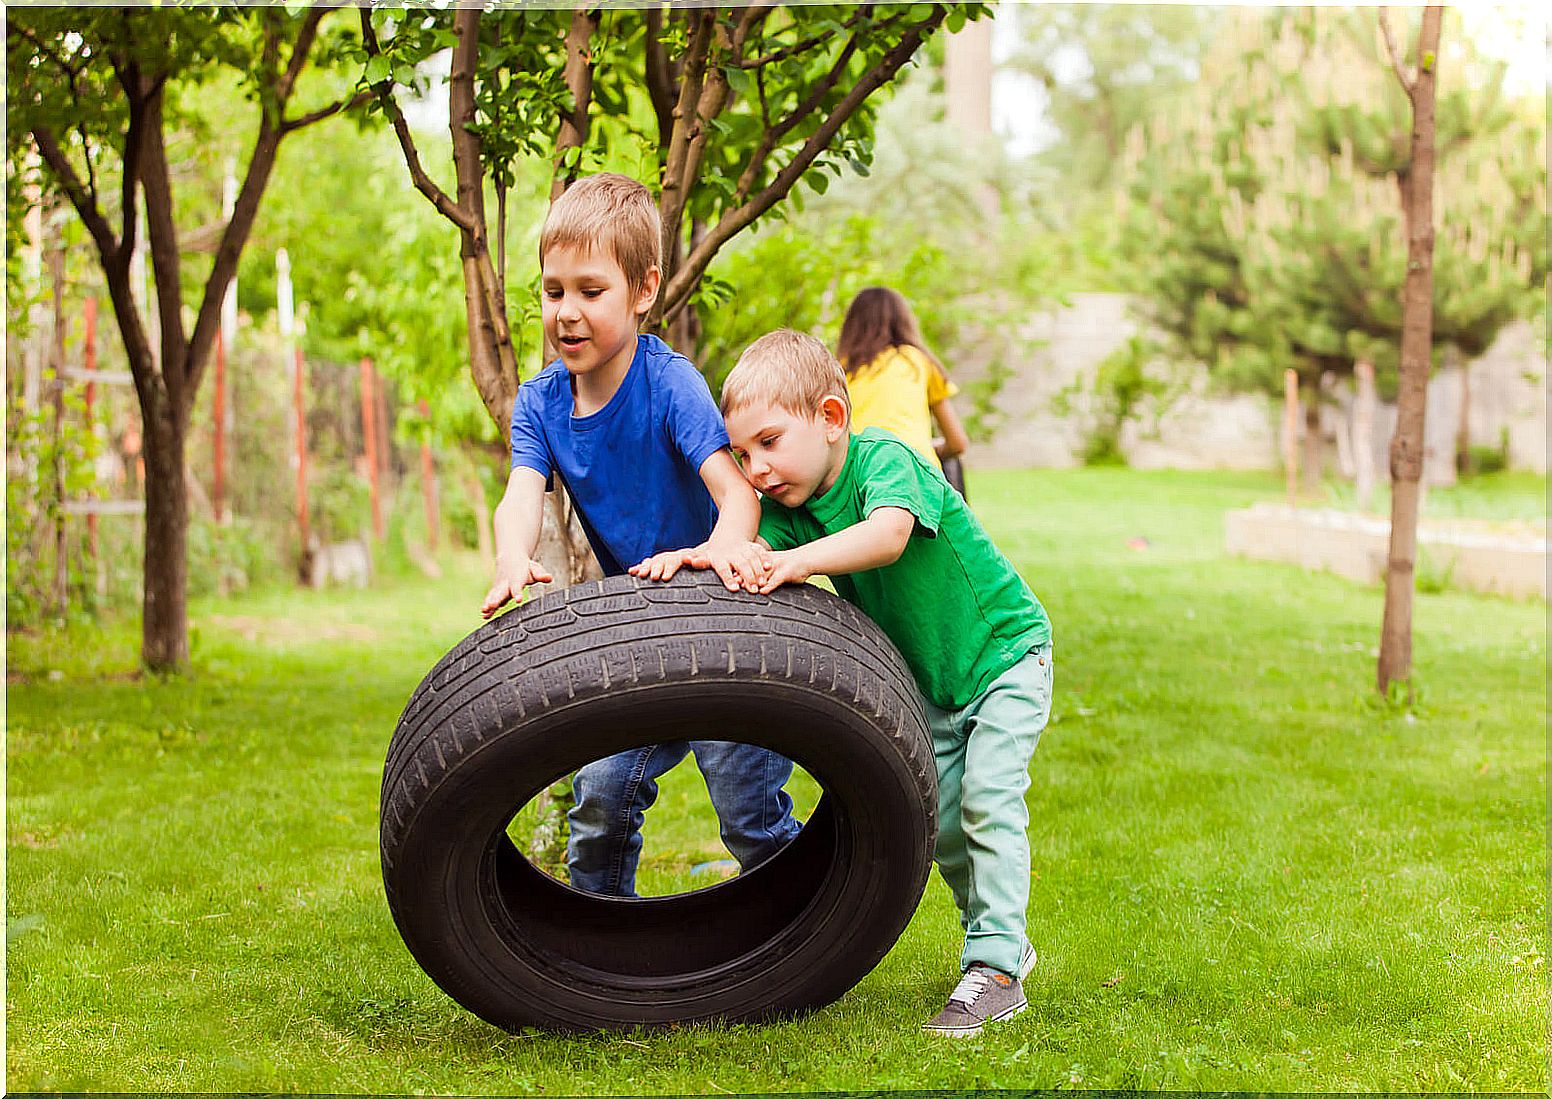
877	319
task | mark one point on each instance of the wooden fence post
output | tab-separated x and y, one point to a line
284	306
89	361
56	265
1291	432
369	441
218	427
428	484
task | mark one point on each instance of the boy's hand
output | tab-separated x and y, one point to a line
661	566
786	567
511	583
740	564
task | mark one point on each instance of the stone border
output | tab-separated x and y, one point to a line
1480	556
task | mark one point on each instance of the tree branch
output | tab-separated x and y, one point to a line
677	292
162	233
676	184
423	182
578	76
84	202
660	81
115	255
244	212
128	74
803	109
807	44
754	16
774	133
269	58
485	297
291	125
1407	82
304	44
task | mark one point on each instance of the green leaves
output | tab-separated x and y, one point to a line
377	69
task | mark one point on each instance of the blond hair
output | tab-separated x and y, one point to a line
787	370
611	212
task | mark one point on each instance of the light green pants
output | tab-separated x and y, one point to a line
983	754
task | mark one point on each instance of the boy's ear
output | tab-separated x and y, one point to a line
646	293
833	409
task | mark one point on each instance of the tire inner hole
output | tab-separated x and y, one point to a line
682	850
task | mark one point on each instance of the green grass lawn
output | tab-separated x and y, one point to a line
1249	875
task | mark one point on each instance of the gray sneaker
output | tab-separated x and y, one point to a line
983	995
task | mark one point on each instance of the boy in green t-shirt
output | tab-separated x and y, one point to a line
896	540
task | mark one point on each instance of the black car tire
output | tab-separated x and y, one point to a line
614	664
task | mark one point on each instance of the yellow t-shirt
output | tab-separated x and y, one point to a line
896	391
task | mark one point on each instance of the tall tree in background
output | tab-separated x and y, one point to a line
98	92
1406	448
1264	231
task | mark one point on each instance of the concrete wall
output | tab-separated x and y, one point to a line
1202	431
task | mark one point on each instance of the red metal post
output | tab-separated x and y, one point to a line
428	484
218	487
301	450
369	439
89	361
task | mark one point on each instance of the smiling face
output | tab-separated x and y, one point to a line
788	456
591	313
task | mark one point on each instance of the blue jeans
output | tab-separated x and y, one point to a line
983	753
614	793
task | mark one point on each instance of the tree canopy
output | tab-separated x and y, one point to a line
1265	227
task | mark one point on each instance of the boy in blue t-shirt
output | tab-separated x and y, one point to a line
629	427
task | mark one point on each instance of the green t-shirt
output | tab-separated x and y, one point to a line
953	605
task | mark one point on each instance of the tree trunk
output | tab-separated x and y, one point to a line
165	637
56	266
1290	433
1406	446
1314	444
1463	427
1363	434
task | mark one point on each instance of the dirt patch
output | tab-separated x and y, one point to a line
36	840
284	631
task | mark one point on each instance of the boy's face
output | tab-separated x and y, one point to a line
786	456
590	312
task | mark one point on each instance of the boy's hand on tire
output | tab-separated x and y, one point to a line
740	565
511	583
661	566
786	567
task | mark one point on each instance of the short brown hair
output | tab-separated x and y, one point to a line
611	212
788	370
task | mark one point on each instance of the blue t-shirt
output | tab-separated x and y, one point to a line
633	467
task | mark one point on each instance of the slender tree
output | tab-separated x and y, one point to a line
97	92
1406	446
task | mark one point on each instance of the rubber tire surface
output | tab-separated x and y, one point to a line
614	664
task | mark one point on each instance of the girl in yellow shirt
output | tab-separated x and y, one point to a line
895	382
